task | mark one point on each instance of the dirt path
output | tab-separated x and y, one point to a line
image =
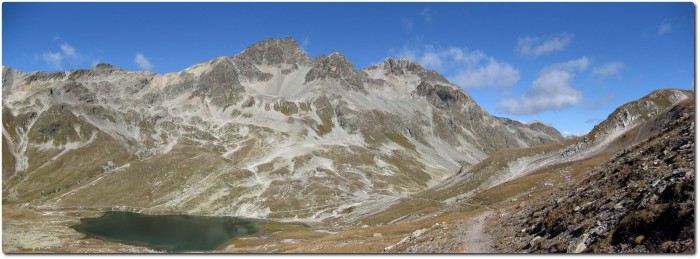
475	239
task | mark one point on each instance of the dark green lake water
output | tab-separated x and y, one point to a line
174	233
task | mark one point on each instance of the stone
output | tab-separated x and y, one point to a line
535	241
679	172
618	206
578	245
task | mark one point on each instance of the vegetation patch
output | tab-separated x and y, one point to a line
249	102
401	140
286	107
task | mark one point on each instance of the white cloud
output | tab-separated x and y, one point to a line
609	69
53	59
494	73
431	59
305	42
428	14
143	62
69	51
664	27
537	46
574	65
468	69
550	91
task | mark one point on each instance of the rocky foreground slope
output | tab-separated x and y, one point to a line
267	133
642	201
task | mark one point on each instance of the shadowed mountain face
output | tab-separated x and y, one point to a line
267	133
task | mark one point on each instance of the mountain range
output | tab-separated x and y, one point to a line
268	132
273	134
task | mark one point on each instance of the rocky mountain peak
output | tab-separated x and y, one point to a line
275	51
100	70
107	66
337	63
335	66
402	67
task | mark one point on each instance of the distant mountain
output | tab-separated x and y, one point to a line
268	133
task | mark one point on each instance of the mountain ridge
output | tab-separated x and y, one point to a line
263	122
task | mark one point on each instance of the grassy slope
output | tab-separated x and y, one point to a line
430	201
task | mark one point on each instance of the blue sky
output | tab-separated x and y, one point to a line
566	64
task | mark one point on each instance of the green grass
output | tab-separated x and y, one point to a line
326	122
248	102
286	107
401	140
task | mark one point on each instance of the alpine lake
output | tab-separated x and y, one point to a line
170	233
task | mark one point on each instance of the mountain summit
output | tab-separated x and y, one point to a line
267	133
274	52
